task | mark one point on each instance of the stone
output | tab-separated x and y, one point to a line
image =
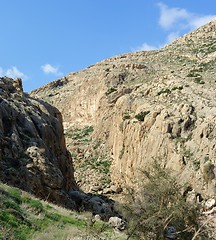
170	233
210	203
17	83
97	217
116	189
117	223
32	145
112	190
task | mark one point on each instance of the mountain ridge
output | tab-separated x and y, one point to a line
145	105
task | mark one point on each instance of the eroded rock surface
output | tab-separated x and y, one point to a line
144	106
33	155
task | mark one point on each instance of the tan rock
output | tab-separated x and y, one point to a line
175	84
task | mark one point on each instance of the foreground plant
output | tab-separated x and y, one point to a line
158	210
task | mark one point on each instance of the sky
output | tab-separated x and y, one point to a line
43	40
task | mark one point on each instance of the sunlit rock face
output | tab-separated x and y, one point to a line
144	106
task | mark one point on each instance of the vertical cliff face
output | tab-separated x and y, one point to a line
145	106
33	155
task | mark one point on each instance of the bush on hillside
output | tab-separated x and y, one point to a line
159	207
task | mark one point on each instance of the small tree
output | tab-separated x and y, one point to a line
158	206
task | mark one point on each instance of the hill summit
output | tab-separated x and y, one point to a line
143	106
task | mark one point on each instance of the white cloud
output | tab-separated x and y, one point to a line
180	18
169	16
13	72
145	47
49	69
172	36
175	22
200	21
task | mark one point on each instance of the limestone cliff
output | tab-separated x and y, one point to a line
145	106
33	155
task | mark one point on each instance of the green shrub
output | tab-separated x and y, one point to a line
197	76
53	216
101	165
110	90
122	152
80	134
193	73
35	205
196	165
141	116
167	91
208	172
177	88
9	203
199	80
158	205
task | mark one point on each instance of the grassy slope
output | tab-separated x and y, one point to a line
24	217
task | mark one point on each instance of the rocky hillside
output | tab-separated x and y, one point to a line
130	109
33	155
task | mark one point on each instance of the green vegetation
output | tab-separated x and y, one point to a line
121	125
80	134
177	88
100	164
199	80
168	91
141	116
24	217
187	152
208	172
204	66
83	136
122	152
159	205
196	165
110	90
209	47
194	73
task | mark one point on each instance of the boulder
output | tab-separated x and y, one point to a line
117	223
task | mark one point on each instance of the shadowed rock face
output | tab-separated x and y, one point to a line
145	106
33	155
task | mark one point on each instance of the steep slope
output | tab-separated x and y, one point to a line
33	155
144	106
23	216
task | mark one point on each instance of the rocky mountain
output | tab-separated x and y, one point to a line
129	110
33	155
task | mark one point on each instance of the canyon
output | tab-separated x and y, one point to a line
143	106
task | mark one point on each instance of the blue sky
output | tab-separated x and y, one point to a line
43	40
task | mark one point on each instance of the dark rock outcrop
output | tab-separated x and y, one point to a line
33	155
